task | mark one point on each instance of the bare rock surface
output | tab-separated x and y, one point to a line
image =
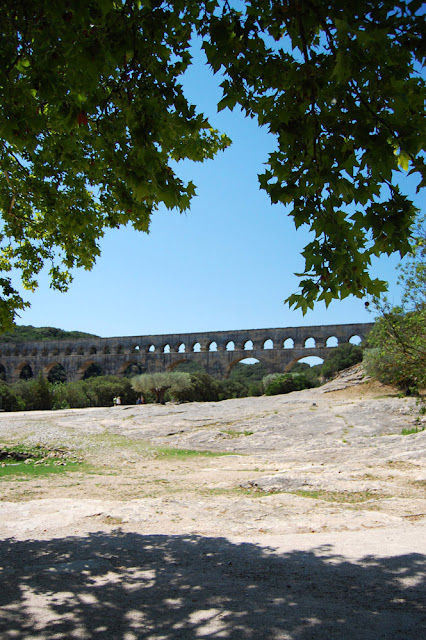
311	527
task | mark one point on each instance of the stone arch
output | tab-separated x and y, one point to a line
196	347
182	348
174	364
332	341
355	340
131	368
212	346
135	348
24	371
151	348
302	359
248	345
68	351
106	351
3	375
288	343
237	361
268	344
90	369
55	372
230	346
119	349
93	351
310	343
166	348
34	352
80	351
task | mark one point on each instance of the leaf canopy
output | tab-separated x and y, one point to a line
93	118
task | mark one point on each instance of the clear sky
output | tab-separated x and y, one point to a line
228	263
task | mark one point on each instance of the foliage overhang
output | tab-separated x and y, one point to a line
93	117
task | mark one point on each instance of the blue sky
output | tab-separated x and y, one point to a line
228	263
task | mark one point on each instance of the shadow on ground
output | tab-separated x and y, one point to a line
128	586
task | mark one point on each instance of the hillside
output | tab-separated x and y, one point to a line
28	333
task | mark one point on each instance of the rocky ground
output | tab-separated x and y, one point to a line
312	526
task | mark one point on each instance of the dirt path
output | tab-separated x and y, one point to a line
312	526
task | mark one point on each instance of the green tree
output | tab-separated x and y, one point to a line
413	271
341	357
159	384
396	352
93	123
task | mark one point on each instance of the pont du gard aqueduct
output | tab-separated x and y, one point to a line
216	351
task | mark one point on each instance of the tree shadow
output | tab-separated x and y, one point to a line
129	586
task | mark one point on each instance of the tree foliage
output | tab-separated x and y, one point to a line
413	271
159	384
341	357
397	349
93	118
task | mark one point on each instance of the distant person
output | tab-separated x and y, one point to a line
114	401
118	400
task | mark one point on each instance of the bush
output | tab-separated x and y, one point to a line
285	383
341	357
396	349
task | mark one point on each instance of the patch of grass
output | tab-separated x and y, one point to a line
37	460
416	429
171	452
351	497
236	434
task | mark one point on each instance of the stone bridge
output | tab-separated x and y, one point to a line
217	351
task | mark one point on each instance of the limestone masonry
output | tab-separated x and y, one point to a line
217	351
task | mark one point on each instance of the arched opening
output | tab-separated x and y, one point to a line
133	369
119	348
213	346
2	372
80	351
248	361
151	349
166	348
247	376
355	340
311	361
68	351
196	348
332	341
182	348
26	372
107	351
310	343
56	374
230	346
268	344
136	348
92	371
55	351
288	343
92	350
248	346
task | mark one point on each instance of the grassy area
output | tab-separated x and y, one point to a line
37	460
351	497
416	429
171	452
